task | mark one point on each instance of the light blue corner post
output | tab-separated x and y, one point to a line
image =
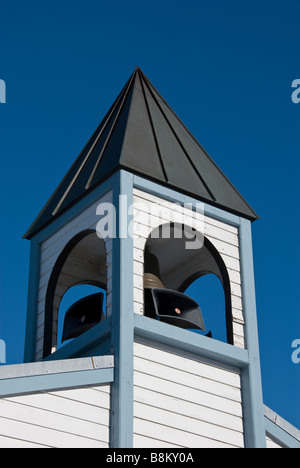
32	302
122	318
254	425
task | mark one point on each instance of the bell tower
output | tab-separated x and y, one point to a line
142	214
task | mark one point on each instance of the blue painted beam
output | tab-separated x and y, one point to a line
122	320
60	381
251	376
85	344
280	436
32	302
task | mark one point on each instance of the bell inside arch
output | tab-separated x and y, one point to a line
168	305
152	271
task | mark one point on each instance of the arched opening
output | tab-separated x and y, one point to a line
82	262
180	268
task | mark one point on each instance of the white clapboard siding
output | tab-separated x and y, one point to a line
187	425
194	381
76	418
189	409
10	443
169	434
184	401
177	360
147	442
224	237
50	251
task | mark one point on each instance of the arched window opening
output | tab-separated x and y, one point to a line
82	262
75	295
171	269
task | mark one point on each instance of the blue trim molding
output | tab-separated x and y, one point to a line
97	338
122	321
60	375
251	377
43	383
280	436
32	302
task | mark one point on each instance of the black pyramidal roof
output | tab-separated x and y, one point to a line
141	133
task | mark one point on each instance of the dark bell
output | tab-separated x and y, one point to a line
152	271
177	309
83	315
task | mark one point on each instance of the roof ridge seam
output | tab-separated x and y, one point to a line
126	91
153	129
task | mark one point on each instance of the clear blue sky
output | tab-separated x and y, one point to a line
224	66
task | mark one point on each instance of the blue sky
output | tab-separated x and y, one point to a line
225	67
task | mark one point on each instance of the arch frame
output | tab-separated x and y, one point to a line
52	286
225	279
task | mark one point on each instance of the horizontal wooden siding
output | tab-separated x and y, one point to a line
180	401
